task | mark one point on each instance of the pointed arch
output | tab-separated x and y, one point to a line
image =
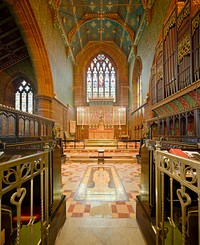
120	59
35	45
137	84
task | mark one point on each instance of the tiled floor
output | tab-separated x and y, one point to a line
100	221
73	174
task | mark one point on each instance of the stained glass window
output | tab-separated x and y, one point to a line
24	97
101	78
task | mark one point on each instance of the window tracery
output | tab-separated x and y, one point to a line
24	97
101	78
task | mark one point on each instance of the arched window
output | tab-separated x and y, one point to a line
101	78
24	97
136	95
139	91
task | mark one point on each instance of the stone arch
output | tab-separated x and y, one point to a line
137	70
37	52
116	55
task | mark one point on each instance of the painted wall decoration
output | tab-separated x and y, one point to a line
72	127
181	104
119	115
96	114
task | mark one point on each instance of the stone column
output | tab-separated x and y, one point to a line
43	106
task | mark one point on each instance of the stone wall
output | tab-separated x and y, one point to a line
61	66
21	69
147	43
49	68
145	51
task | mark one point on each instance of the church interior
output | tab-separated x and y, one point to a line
100	122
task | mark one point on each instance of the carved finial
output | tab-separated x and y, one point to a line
148	4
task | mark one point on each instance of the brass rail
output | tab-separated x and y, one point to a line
185	172
13	176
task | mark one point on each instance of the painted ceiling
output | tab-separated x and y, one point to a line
81	22
118	21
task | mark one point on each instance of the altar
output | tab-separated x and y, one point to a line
101	117
101	134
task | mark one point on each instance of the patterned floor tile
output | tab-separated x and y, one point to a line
72	174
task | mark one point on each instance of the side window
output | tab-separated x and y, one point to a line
24	97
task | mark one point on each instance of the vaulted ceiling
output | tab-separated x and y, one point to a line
87	21
80	22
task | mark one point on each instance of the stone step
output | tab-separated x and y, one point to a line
100	142
107	149
114	157
106	160
109	158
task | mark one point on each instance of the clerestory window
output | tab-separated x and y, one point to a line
101	78
24	97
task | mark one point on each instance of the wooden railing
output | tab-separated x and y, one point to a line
166	145
17	126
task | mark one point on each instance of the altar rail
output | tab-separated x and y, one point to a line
180	215
120	144
125	143
74	144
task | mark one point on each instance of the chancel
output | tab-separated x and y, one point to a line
99	122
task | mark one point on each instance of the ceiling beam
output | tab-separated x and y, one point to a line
15	60
8	32
101	5
9	18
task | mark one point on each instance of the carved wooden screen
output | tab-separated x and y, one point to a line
153	85
159	73
196	48
183	35
169	55
157	86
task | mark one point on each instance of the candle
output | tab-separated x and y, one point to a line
83	116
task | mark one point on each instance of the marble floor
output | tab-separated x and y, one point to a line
100	221
100	231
